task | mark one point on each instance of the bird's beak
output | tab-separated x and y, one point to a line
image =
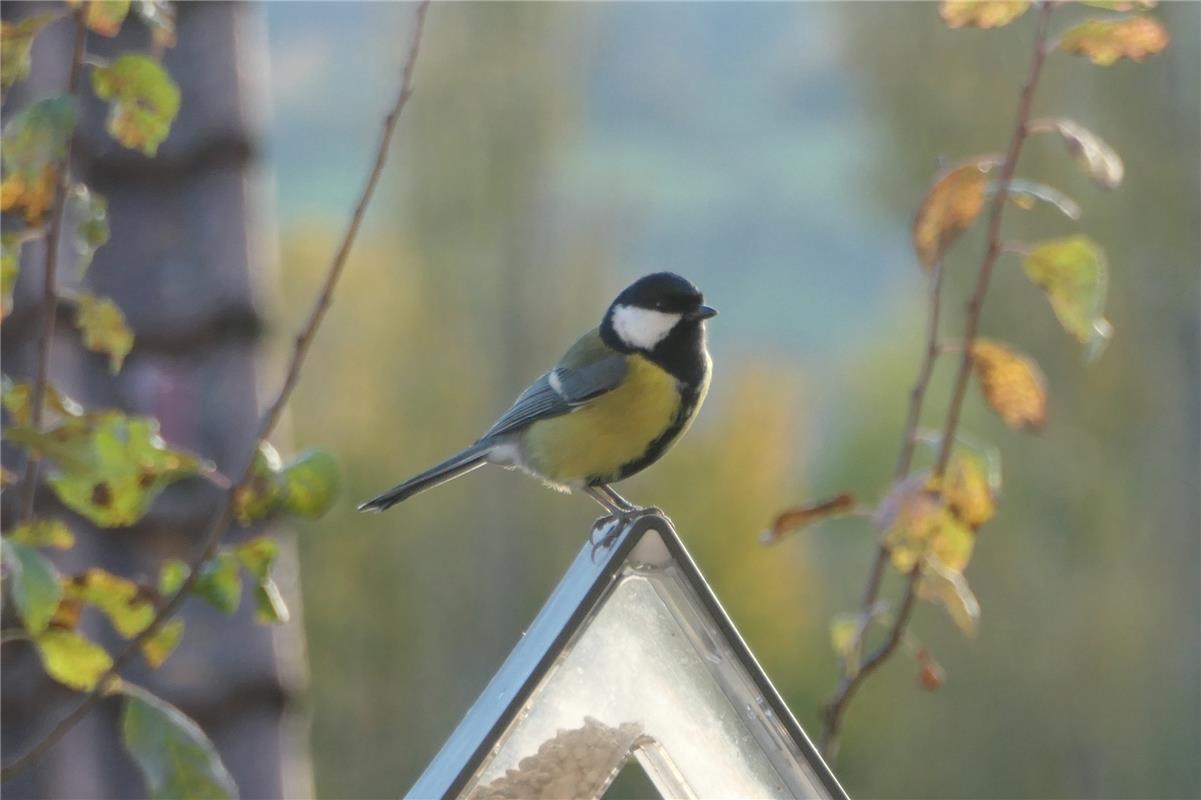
703	312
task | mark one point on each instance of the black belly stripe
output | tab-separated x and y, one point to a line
688	407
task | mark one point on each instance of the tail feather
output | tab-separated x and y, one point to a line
460	463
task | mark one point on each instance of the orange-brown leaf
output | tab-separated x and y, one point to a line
950	207
981	13
794	519
1013	384
1104	41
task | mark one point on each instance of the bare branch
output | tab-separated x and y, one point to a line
271	417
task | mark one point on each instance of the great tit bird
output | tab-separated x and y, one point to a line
615	402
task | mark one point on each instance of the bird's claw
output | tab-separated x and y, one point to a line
614	524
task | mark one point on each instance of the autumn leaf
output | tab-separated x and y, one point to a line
950	207
794	519
118	598
108	466
930	674
162	643
845	634
907	517
1120	5
1028	194
104	329
16	396
260	495
981	13
103	16
1013	384
257	555
1104	41
947	587
35	141
970	487
52	533
90	214
33	584
144	100
16	41
72	659
1074	274
1095	158
10	267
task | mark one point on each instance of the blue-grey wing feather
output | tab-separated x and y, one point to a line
576	388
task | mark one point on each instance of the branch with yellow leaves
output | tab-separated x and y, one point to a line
928	519
270	419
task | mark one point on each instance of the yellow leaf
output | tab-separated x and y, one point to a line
162	643
907	516
1104	41
52	533
35	195
103	16
794	519
117	598
946	586
950	207
844	638
981	13
968	490
104	329
1095	158
71	659
1013	384
1074	274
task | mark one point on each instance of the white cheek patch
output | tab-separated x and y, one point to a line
642	327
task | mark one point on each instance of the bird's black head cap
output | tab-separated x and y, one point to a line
662	291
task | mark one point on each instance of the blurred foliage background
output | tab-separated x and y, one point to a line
774	154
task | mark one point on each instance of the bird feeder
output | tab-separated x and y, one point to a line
631	657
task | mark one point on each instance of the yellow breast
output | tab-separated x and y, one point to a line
613	430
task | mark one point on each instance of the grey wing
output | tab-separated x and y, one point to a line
559	392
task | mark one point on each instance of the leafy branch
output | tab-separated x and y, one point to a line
928	519
264	486
49	283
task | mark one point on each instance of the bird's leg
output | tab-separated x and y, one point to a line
631	510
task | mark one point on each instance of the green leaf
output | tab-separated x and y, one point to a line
16	41
1095	158
71	659
119	599
11	245
269	604
104	329
109	466
1104	41
162	643
946	586
144	100
175	757
90	213
35	141
172	575
1027	194
16	396
44	533
103	16
1074	274
257	555
220	583
311	483
33	584
263	493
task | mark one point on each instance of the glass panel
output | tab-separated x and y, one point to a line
651	674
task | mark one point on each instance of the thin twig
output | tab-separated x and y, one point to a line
836	708
270	419
49	287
